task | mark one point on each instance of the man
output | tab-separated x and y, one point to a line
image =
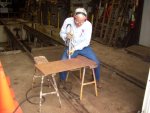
76	33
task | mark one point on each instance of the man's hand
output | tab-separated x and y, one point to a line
69	35
71	52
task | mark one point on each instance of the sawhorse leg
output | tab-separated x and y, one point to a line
41	94
53	82
87	83
56	88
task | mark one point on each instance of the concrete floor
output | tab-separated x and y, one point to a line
117	95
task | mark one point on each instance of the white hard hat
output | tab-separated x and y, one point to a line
80	11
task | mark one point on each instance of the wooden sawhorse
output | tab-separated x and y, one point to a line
43	60
52	68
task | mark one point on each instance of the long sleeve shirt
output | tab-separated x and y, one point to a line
81	35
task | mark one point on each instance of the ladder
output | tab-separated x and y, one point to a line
118	23
97	26
107	26
116	8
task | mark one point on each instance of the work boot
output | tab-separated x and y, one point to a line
99	85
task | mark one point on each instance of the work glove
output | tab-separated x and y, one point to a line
71	51
69	35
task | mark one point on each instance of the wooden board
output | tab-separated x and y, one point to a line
65	65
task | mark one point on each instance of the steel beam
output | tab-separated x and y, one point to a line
18	43
41	36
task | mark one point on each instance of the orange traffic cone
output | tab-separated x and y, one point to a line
8	80
9	84
7	103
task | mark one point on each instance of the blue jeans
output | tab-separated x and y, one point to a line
87	52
